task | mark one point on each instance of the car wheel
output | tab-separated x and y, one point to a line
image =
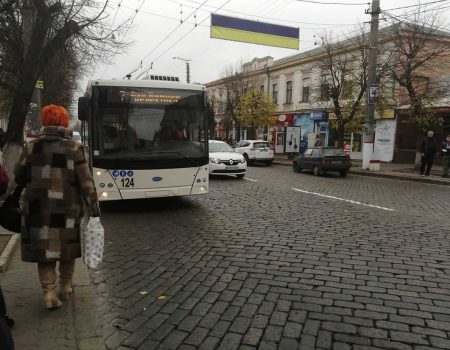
247	159
296	168
240	176
343	173
316	171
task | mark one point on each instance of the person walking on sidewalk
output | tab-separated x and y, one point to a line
445	150
428	150
57	180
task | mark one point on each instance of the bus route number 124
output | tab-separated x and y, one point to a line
127	182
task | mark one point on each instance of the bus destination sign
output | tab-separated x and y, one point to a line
148	97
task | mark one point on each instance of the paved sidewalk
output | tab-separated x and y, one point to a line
74	326
387	170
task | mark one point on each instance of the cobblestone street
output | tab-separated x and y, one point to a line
279	261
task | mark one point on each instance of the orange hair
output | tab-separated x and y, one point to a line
53	115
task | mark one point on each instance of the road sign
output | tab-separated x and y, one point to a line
39	84
374	93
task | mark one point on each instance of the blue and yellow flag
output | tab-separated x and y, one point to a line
237	29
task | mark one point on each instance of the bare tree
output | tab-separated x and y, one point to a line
344	79
422	50
32	33
60	75
236	83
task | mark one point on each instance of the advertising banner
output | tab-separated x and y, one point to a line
279	142
384	140
292	141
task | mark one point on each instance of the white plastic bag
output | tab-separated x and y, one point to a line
93	242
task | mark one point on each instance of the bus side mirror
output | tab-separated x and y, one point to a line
84	109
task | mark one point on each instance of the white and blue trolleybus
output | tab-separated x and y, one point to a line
146	138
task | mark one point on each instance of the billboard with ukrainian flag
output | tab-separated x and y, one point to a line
255	32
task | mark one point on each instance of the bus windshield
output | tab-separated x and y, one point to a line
147	123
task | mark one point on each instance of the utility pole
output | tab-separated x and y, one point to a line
369	120
188	72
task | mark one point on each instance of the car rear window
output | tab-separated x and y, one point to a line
261	145
333	152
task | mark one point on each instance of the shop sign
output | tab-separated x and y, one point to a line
388	114
319	115
332	116
347	149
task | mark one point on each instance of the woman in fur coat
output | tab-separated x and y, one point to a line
57	180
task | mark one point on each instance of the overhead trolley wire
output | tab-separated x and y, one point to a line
264	17
417	5
176	42
336	3
165	38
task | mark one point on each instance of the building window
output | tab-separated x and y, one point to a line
261	88
275	93
325	87
289	92
305	93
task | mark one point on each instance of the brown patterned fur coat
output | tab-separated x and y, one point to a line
57	181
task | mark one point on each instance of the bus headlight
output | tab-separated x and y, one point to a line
214	160
98	173
104	194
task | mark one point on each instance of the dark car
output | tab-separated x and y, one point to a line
323	159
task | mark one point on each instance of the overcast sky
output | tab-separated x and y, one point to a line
157	18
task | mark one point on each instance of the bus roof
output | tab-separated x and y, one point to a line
143	83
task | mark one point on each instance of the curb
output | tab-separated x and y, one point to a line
8	251
386	176
401	178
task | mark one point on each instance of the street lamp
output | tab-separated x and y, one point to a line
188	76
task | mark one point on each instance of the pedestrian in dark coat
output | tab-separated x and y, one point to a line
428	150
58	181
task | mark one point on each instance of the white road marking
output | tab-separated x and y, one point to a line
246	178
344	200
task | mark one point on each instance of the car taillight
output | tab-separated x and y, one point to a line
325	161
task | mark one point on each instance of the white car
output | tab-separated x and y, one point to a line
255	151
223	160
